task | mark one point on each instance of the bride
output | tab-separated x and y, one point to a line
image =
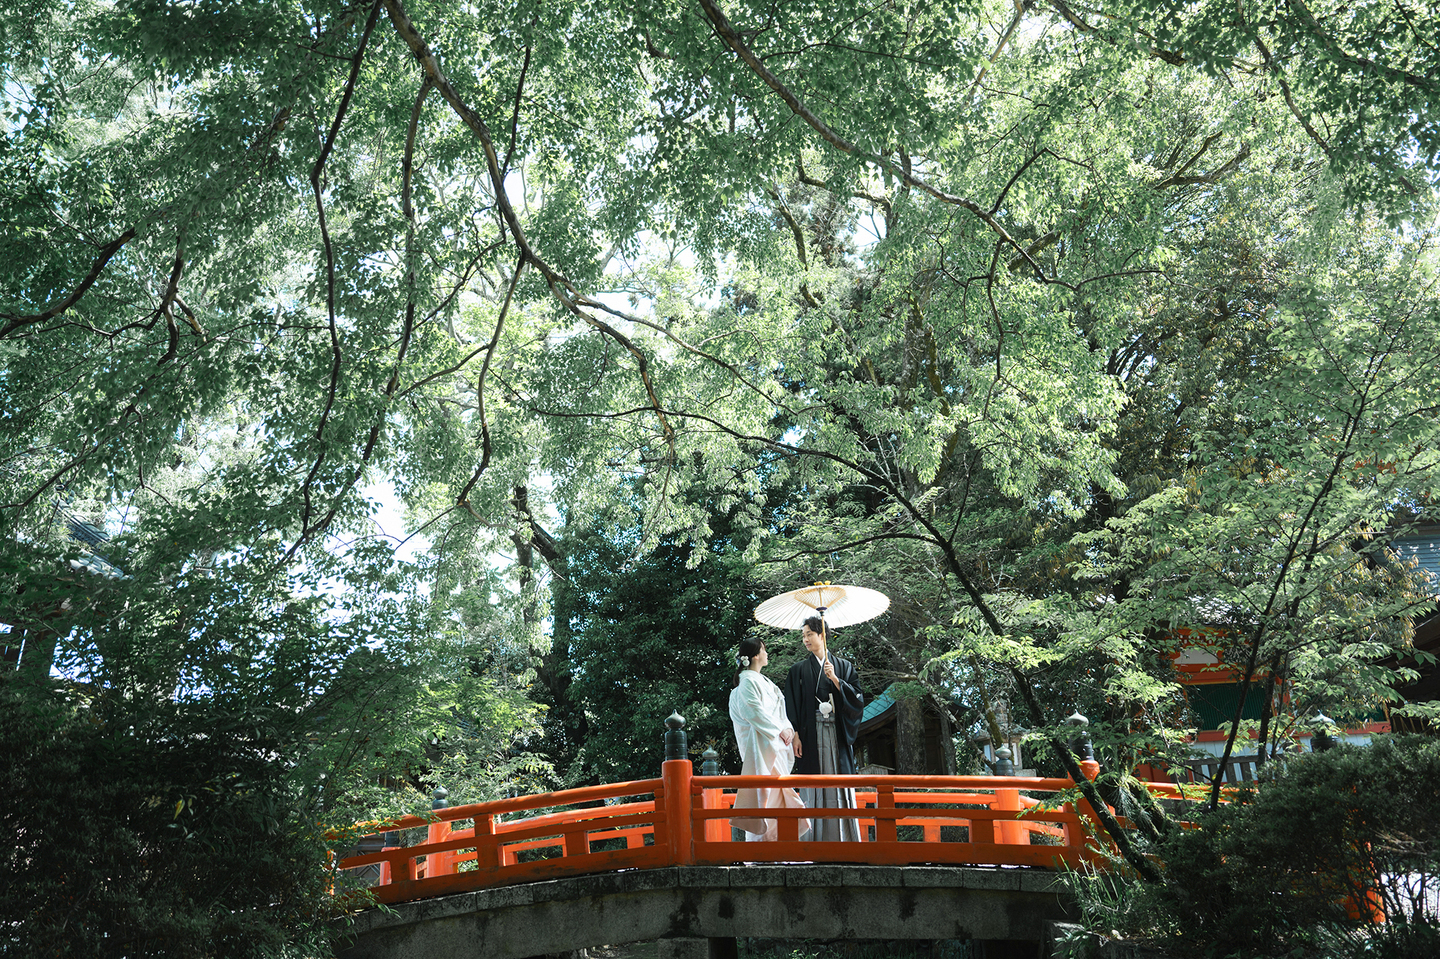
767	741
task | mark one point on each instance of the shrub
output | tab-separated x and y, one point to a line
129	840
1303	864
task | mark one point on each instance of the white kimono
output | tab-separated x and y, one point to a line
757	710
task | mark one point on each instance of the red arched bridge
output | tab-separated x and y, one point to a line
681	819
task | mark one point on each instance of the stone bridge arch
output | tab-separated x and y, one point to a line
718	903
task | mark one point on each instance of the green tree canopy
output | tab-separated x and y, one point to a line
1055	323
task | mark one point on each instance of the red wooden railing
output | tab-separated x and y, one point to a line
683	819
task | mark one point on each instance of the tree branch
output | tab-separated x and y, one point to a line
17	320
336	355
1071	17
408	326
1365	64
168	297
799	236
104	436
561	287
1021	8
1178	178
485	443
1279	75
407	208
731	368
728	34
1036	247
1169	56
515	114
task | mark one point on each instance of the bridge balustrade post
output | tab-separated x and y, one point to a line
391	841
1073	833
487	850
576	841
439	863
885	828
373	874
1082	748
716	830
1085	752
676	773
676	745
1011	830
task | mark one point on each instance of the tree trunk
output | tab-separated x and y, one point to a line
947	741
910	737
1267	714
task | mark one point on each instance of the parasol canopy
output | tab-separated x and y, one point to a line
836	604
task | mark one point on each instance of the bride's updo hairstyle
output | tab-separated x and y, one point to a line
749	648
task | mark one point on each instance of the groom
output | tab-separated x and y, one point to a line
824	703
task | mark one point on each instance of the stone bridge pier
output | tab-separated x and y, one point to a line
698	911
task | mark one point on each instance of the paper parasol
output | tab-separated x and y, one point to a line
837	605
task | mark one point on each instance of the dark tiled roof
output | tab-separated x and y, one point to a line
1423	546
84	532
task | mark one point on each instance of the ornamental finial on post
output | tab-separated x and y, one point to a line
1004	764
1081	744
676	744
1320	738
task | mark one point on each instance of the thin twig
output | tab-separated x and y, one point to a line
486	446
316	173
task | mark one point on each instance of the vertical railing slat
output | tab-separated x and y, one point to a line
885	830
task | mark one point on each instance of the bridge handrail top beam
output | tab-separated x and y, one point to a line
871	783
575	816
562	797
531	829
977	800
938	816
